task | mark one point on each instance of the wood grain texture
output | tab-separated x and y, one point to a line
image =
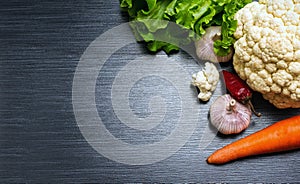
41	43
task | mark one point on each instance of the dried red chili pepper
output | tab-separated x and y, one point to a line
238	89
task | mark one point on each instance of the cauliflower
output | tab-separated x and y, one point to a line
267	50
206	81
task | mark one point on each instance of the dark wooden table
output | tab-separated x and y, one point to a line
61	124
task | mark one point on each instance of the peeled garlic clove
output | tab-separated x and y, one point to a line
229	116
205	46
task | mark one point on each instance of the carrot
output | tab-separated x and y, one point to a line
281	136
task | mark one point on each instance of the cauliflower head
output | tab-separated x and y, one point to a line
267	50
206	80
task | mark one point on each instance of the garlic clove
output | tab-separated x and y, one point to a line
229	116
205	46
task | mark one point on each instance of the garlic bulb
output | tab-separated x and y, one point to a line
205	46
229	116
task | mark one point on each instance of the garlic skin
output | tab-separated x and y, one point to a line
205	46
229	116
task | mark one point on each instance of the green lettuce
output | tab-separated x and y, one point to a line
193	17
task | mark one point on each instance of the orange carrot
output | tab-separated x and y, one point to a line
281	136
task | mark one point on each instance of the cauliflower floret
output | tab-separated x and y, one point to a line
206	81
267	50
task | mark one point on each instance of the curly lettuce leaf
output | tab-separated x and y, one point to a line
193	15
229	25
